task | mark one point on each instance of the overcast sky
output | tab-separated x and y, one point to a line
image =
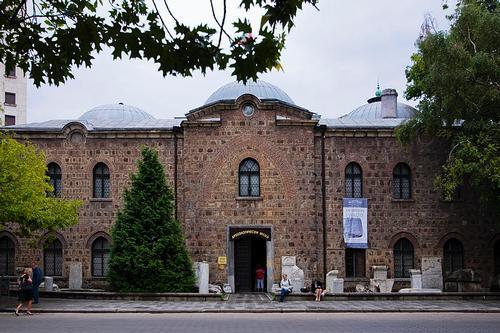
332	61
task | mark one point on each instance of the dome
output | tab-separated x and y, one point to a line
260	89
372	111
115	112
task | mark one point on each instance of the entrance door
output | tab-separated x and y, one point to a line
248	253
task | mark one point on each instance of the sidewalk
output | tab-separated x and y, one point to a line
258	303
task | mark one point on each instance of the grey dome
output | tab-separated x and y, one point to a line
115	112
260	89
372	111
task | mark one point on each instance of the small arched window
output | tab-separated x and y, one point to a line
497	257
101	181
7	256
353	181
403	258
453	256
55	177
52	257
401	181
249	176
100	256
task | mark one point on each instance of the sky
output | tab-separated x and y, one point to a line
331	64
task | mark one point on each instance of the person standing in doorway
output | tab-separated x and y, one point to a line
260	274
37	280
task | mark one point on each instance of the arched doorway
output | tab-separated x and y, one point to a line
248	248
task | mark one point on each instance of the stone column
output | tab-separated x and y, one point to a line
202	276
416	279
432	273
48	283
334	285
75	275
294	273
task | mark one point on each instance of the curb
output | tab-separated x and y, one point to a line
302	310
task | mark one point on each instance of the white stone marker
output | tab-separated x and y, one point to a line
202	274
432	273
75	275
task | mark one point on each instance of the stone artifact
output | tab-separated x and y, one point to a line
380	282
295	274
416	278
75	275
202	274
214	289
432	274
48	284
227	288
334	285
463	280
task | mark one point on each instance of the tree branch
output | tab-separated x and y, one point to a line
162	22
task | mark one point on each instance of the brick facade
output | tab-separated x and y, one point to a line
202	158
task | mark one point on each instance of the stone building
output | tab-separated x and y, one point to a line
258	178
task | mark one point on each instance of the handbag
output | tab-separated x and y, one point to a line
25	285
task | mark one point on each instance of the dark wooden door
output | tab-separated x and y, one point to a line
242	264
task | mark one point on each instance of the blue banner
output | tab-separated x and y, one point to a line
355	223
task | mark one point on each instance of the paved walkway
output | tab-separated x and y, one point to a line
253	303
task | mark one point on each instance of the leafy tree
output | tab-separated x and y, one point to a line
455	76
148	252
23	191
47	37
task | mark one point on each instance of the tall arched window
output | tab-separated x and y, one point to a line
249	175
497	257
353	181
54	173
52	258
7	256
100	256
453	253
403	258
101	181
401	181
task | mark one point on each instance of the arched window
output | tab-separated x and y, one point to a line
497	257
403	258
353	181
101	181
54	173
249	175
52	258
453	253
401	181
100	256
7	256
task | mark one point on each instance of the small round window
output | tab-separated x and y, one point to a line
248	110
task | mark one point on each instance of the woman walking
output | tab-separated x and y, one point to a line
25	292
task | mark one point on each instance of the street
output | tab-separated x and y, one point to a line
253	322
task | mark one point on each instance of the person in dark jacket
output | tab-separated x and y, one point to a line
317	289
37	279
25	292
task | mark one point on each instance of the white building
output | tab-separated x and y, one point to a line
13	86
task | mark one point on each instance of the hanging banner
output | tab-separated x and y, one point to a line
355	223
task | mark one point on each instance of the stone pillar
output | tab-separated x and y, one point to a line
202	274
334	285
432	273
416	279
294	273
75	275
380	282
48	283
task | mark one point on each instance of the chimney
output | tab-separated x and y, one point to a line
389	103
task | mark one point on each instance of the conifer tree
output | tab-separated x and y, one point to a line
148	252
